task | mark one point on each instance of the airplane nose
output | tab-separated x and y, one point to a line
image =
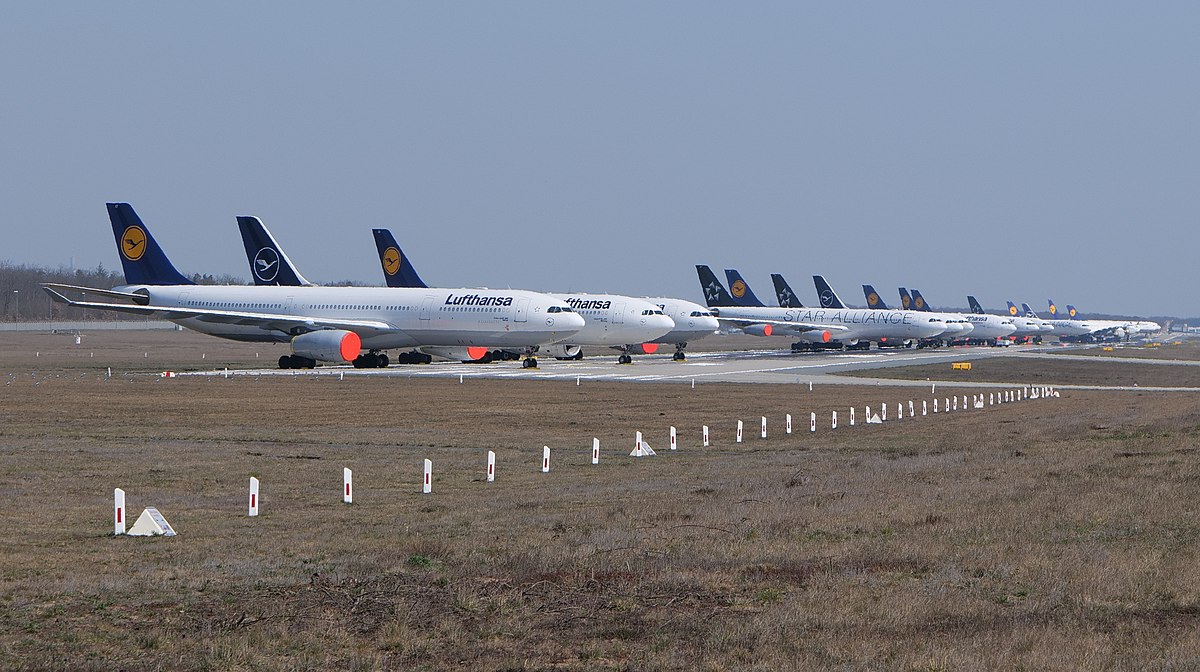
571	321
967	328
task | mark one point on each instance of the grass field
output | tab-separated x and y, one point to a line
1048	371
1057	534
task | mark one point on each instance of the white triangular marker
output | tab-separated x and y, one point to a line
151	523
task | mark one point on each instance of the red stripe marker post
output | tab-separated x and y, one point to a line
491	466
739	432
118	512
704	435
788	423
347	486
254	501
833	424
427	485
672	437
812	422
545	459
595	450
764	427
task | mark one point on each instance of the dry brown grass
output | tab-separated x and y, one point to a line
1048	371
1167	349
1058	534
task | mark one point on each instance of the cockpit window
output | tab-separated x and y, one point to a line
559	309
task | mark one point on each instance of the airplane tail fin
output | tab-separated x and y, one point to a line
397	270
828	297
1072	313
975	307
269	264
1052	308
783	292
1028	311
142	259
715	294
905	299
1012	309
874	301
740	290
919	302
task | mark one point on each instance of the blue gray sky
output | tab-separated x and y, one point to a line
1018	150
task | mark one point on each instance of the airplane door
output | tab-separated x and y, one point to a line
287	304
618	314
522	311
426	307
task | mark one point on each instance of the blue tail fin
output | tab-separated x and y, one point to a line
1012	309
1052	308
919	302
828	297
397	270
975	307
1028	311
142	259
783	292
1072	313
269	265
905	299
874	301
715	294
740	290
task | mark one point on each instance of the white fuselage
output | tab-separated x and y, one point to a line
475	317
855	323
692	320
990	326
614	320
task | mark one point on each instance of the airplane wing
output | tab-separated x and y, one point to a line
798	327
107	293
288	324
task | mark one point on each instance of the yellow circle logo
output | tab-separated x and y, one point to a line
391	261
906	301
133	243
1012	310
738	289
1053	309
873	299
1071	312
920	302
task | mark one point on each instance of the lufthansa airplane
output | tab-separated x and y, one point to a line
848	326
327	324
624	323
984	328
1116	328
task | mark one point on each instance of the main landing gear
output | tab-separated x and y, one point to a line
529	363
679	356
296	362
413	357
371	360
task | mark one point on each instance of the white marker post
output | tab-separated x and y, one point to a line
935	404
763	433
924	408
704	435
787	424
867	414
833	421
427	485
946	406
118	512
672	437
933	389
810	386
546	456
812	422
900	411
883	412
956	402
991	398
595	450
739	432
254	501
491	466
851	416
347	486
910	409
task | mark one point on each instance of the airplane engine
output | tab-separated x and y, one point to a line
561	351
816	337
461	353
327	345
645	349
758	329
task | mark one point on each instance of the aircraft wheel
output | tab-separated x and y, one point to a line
384	361
285	362
679	356
529	363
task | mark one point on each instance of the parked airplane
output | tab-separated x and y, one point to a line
1110	329
620	322
1023	327
1060	327
1034	322
985	329
815	325
327	324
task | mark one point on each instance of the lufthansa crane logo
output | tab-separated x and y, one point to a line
826	299
873	299
738	289
906	301
920	302
391	261
1012	310
133	243
266	264
1071	312
1053	309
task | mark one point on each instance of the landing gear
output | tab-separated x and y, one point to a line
296	362
371	360
413	357
679	356
529	363
624	359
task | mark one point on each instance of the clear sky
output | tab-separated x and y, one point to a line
1018	150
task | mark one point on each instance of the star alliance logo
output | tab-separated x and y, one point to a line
785	297
266	264
712	292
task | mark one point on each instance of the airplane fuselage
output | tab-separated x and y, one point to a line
614	320
856	323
